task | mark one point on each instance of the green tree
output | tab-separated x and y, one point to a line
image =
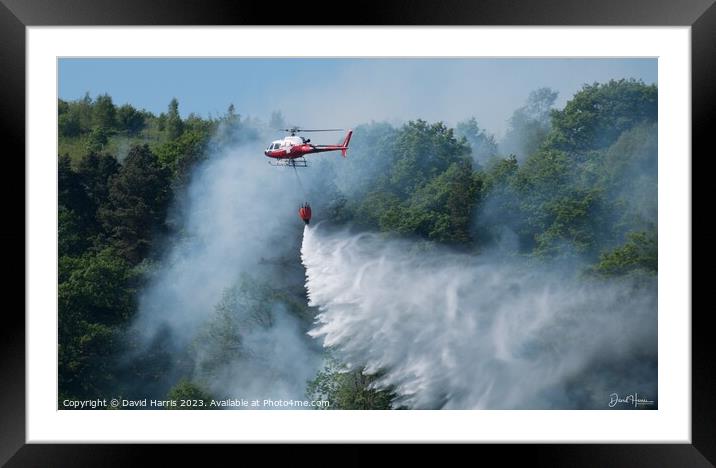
130	119
85	353
440	210
96	140
162	122
174	124
483	145
638	254
71	233
62	107
187	390
180	155
247	306
425	185
596	116
99	289
529	125
68	122
76	212
499	208
84	109
70	191
95	296
220	339
104	112
421	152
629	172
95	171
348	390
379	209
591	180
204	127
137	203
369	160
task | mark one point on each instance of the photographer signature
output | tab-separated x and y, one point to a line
632	399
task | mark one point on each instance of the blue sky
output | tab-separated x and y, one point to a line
342	92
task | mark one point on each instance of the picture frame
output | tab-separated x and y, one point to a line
16	15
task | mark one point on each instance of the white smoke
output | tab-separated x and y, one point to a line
459	331
237	217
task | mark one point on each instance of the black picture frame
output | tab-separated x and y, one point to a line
16	15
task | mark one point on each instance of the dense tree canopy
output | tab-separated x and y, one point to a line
591	181
111	207
137	202
425	186
597	115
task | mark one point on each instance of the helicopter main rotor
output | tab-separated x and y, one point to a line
294	130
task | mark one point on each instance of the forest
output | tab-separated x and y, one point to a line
574	186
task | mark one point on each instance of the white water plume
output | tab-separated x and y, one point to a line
459	331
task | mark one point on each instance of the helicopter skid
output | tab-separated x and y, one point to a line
297	162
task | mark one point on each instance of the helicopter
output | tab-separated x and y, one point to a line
291	150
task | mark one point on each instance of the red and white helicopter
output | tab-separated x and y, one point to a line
291	150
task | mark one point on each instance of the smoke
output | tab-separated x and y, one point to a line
529	125
236	232
460	331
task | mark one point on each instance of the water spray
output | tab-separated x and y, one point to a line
458	331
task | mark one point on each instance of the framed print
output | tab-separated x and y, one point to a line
461	224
